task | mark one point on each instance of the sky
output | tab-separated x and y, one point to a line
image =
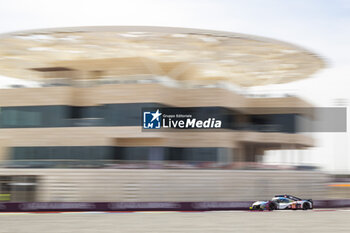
321	26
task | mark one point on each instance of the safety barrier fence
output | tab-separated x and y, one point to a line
145	206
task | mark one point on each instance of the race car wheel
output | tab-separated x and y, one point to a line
272	206
306	206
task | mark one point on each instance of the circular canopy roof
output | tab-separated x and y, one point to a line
184	54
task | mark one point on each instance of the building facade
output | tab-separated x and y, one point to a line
86	114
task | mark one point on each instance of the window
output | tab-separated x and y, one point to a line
129	114
33	116
62	153
284	200
140	153
125	114
194	154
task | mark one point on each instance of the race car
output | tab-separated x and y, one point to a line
282	202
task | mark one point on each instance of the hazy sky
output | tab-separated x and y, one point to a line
319	25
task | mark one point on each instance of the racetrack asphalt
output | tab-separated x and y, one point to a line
320	220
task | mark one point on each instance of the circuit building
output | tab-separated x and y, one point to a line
83	119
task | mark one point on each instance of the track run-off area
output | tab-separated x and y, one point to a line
317	220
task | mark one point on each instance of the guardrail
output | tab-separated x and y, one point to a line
145	164
146	206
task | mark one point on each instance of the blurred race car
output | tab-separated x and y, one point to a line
282	202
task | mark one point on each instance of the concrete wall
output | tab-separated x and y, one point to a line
94	185
104	136
142	93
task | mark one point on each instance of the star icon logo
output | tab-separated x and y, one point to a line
156	115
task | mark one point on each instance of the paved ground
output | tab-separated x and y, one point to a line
168	222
